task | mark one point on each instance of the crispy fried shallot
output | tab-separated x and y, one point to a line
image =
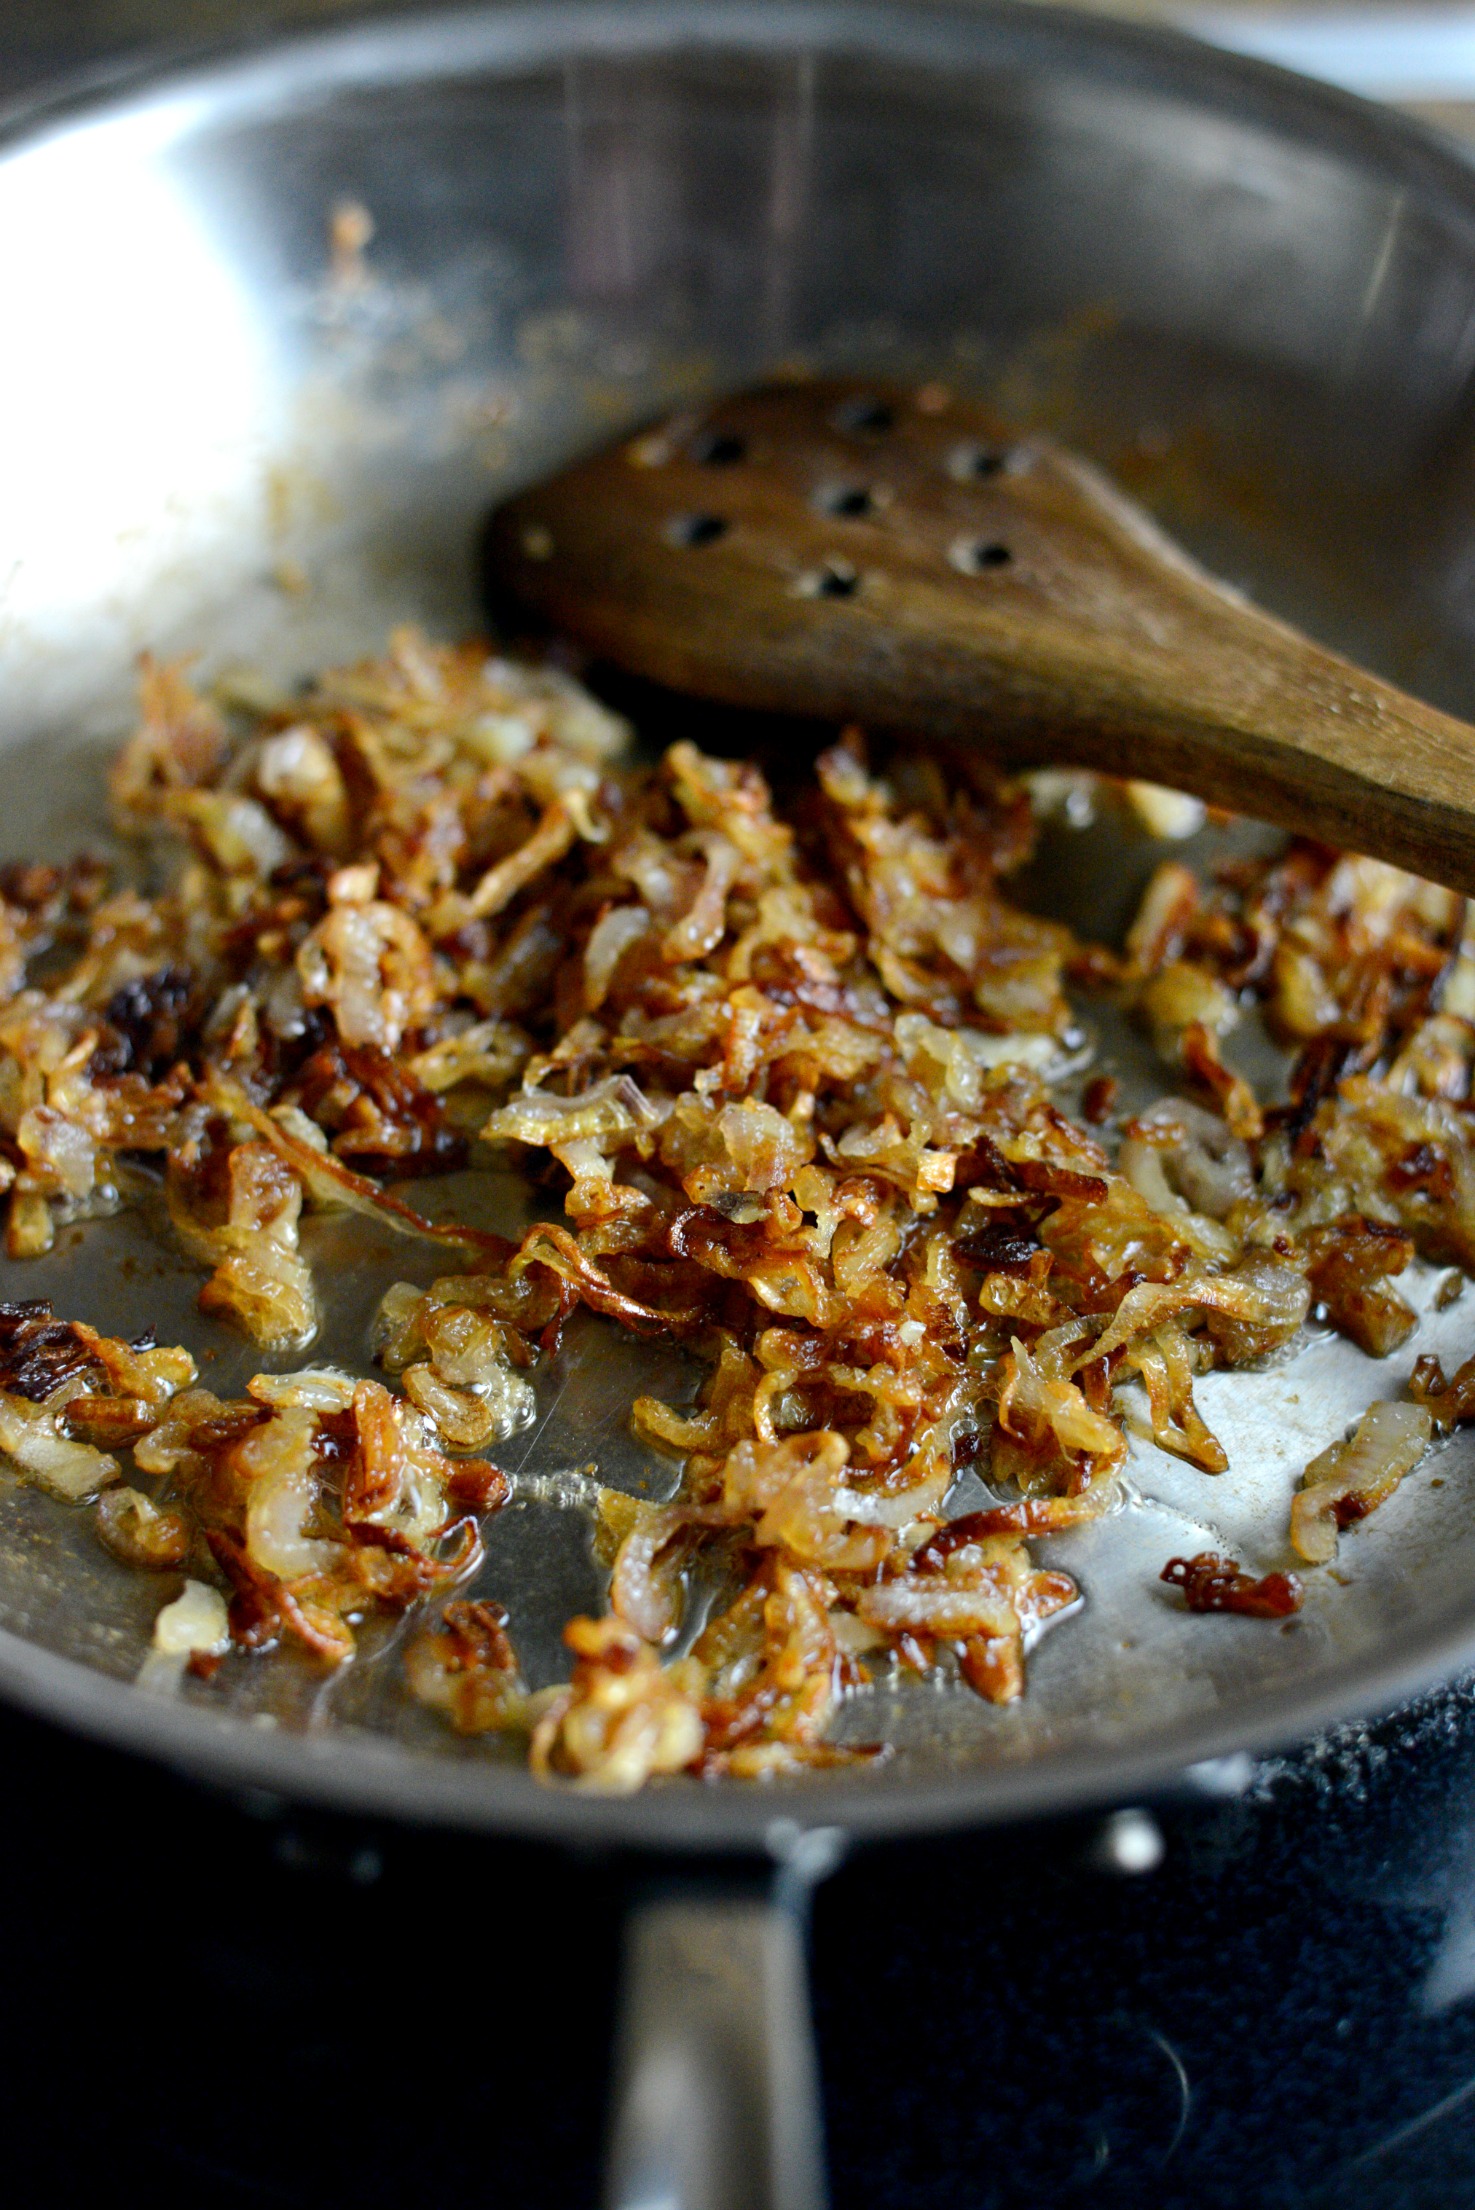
1213	1583
792	1067
1350	1479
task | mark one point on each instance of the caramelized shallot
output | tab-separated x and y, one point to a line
1213	1583
794	1066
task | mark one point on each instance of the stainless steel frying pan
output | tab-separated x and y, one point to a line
1253	299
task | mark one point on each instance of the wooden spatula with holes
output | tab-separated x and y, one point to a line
890	557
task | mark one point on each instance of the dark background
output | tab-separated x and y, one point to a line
222	2002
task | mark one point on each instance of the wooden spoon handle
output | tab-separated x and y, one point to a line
896	558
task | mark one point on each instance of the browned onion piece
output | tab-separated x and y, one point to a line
1348	1263
469	1670
793	1066
1213	1583
140	1532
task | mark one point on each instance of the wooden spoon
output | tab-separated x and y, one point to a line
858	552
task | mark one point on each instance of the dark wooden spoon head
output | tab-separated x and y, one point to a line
864	552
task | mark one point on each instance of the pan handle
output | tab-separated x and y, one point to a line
716	2091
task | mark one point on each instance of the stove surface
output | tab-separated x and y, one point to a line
222	2001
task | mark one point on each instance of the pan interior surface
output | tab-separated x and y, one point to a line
222	431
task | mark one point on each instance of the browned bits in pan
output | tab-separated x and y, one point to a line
1213	1583
1099	1097
39	1354
140	1532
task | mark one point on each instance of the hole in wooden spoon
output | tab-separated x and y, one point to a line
720	449
849	502
692	530
973	463
865	418
835	580
974	556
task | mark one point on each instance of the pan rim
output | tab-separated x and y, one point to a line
351	1772
376	46
361	1773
